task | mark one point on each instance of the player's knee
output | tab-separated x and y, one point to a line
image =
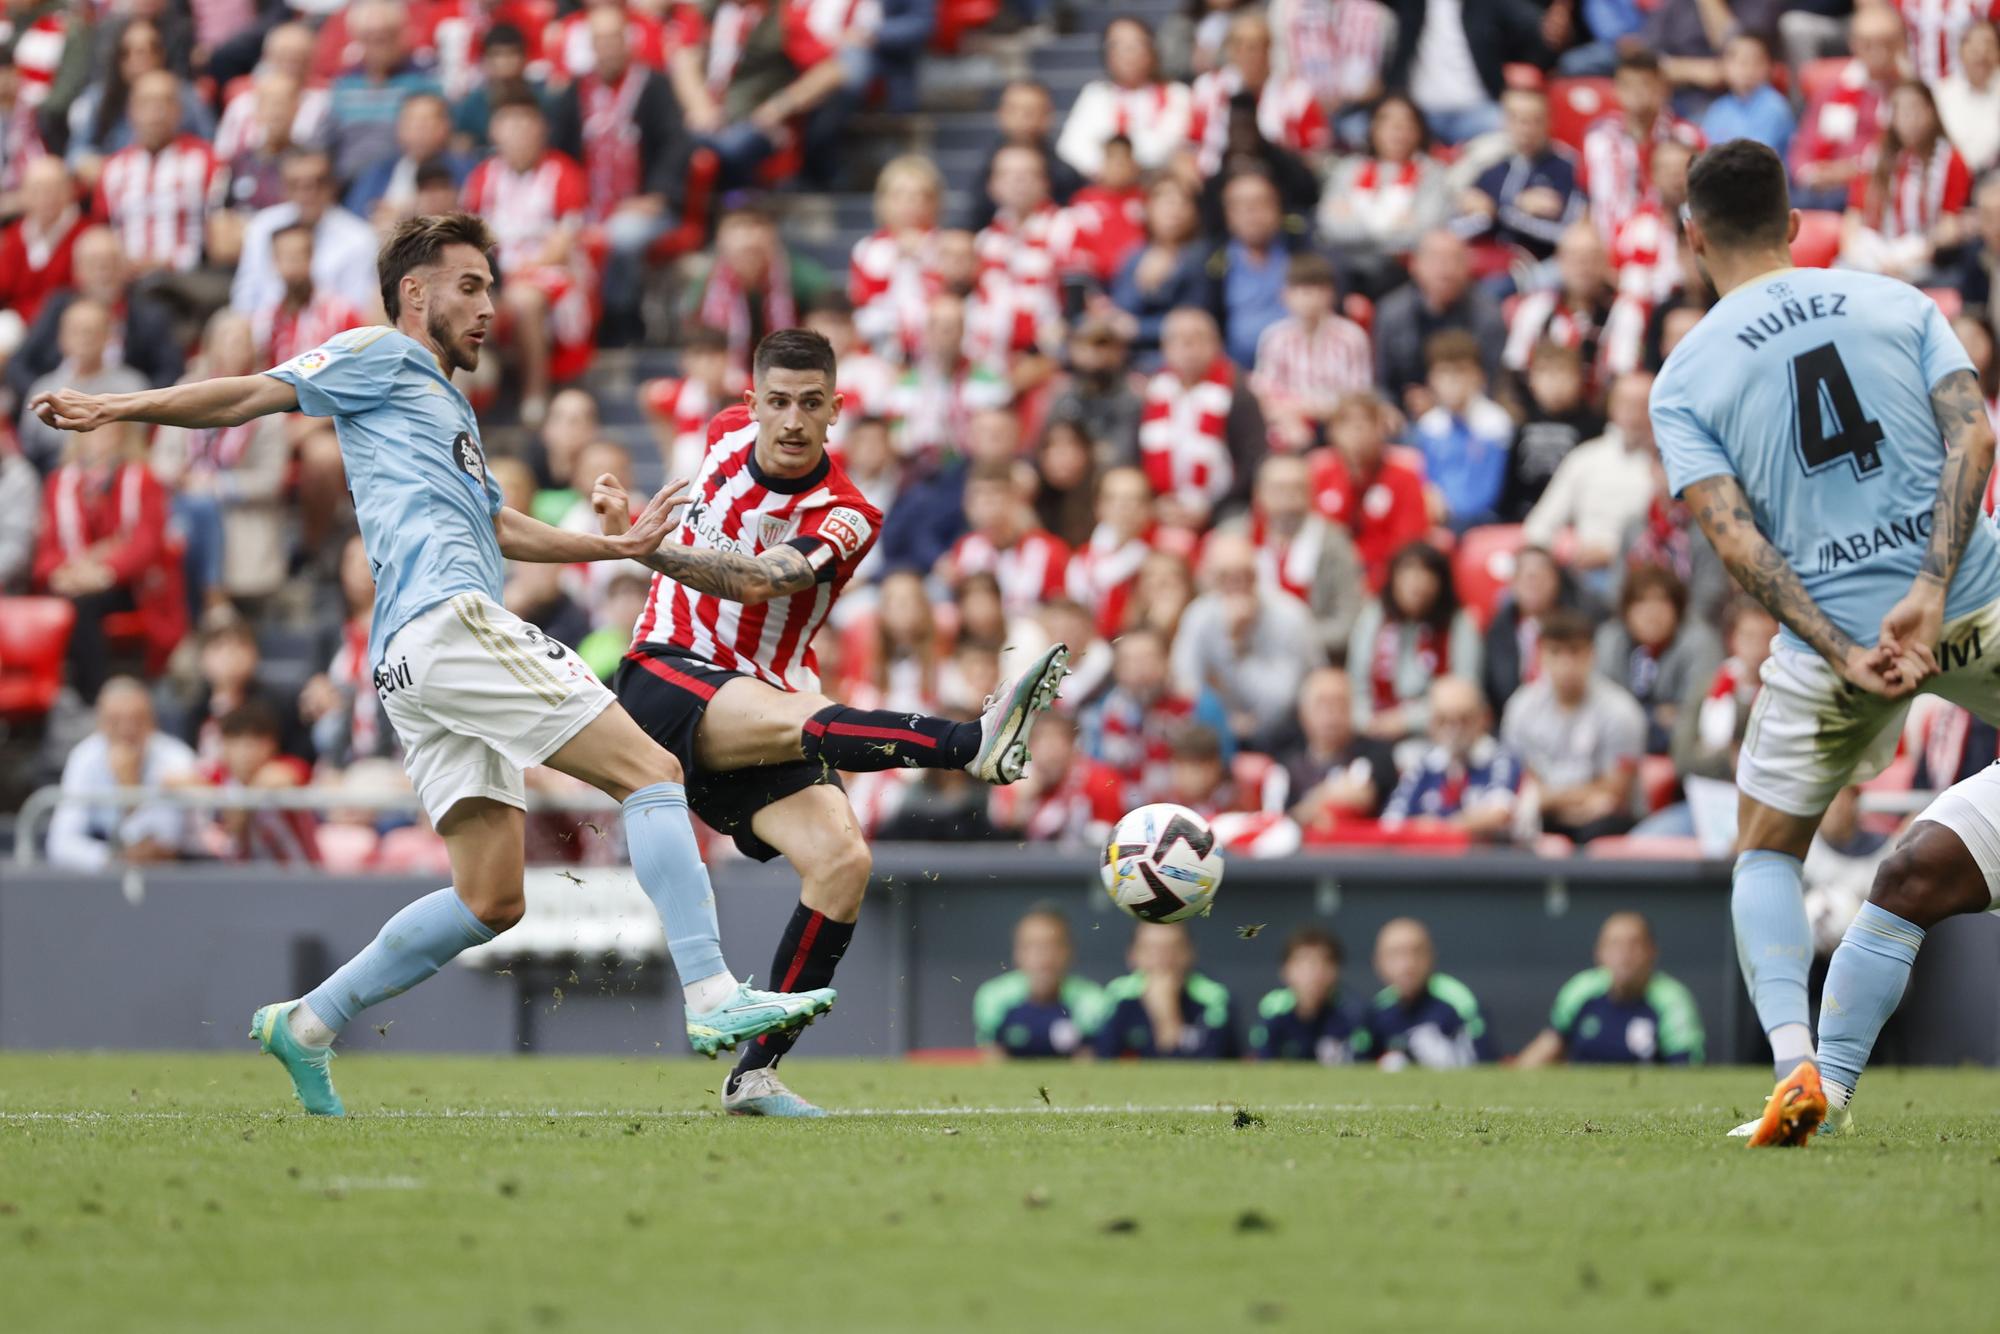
1923	883
499	909
843	870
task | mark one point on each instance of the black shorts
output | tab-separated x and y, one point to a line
667	692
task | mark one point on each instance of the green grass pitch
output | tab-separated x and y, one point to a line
166	1193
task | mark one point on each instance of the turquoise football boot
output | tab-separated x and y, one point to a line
306	1065
761	1093
750	1014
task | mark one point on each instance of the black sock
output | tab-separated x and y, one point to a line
865	740
811	949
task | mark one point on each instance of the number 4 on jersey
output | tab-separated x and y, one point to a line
1831	423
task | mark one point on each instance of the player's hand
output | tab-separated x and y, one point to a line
1879	671
650	528
613	505
1914	625
70	410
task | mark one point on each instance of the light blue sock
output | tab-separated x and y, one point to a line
670	870
1864	984
412	945
1774	946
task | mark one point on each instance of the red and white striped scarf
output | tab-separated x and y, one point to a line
1936	27
611	138
1183	435
728	33
1290	565
725	305
1336	46
77	486
1917	190
350	670
1430	649
38	53
1287	115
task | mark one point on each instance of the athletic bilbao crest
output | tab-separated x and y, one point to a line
773	529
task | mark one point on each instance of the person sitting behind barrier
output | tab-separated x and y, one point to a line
1421	1016
1464	779
1304	1019
1163	1008
1624	1010
251	761
126	750
1038	1008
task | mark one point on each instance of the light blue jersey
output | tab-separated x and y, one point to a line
414	467
1812	388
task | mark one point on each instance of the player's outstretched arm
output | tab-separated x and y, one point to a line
1915	623
1723	512
228	401
525	538
776	573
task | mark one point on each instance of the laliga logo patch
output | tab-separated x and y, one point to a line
311	363
465	451
845	528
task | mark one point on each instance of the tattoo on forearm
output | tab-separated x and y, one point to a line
1724	514
777	573
1960	410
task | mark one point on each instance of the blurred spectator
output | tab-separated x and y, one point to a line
142	334
1451	58
1301	553
1513	655
621	123
571	43
865	381
229	664
126	750
1029	562
20	514
98	124
1097	394
1557	417
364	102
1131	100
1708	729
1338	47
1602	486
256	171
51	48
1378	499
930	506
340	704
1527	198
943	390
1038	1008
37	249
1578	736
679	409
1247	272
302	317
1304	1019
1666	537
1026	119
20	129
1421	1016
1618	149
1066	797
1440	296
1105	567
1936	30
1646	253
1307	360
751	285
1908	208
1162	592
768	71
1066	483
156	191
536	199
1377	204
893	275
388	189
250	759
1163	1008
1287	113
619	606
343	246
1465	780
908	652
1335	772
1202	434
1168	273
1840	125
1571	313
1247	643
1130	727
1195	40
104	542
1979	261
1968	100
228	482
503	75
285	68
1750	108
1016	310
1466	437
1411	636
551	452
1624	1011
1655	651
1104	222
84	340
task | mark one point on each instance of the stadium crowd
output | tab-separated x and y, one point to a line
1294	372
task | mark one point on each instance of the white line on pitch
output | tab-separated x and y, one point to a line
657	1114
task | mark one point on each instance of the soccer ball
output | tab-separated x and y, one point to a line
1161	864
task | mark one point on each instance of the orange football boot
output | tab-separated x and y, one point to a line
1796	1108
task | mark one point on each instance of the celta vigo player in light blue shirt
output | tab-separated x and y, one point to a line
1828	432
476	694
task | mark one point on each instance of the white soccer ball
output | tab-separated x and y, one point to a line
1162	865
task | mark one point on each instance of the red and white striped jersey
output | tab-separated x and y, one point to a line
1550	316
1298	366
652	40
816	30
737	507
1920	192
867	386
527	208
1935	28
284	333
38	51
680	411
1288	115
1618	169
1102	574
1646	254
158	202
1336	47
1030	572
1184	436
238	132
891	291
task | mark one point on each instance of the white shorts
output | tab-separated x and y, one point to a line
1810	734
477	695
1971	809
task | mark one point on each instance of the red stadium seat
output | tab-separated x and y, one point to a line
1658	781
1575	103
1484	565
34	637
1818	241
1820	77
1359	309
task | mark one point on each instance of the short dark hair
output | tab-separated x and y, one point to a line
504	35
1195	741
1314	938
1737	192
253	717
1453	347
795	350
831	303
704	338
1568	628
991	472
417	242
1309	268
292	229
1651	580
517	99
1637	57
435	173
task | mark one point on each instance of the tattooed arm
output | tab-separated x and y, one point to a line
1723	512
776	573
1960	409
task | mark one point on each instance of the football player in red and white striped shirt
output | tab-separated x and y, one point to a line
722	671
156	192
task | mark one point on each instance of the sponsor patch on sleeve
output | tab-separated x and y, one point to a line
308	364
848	529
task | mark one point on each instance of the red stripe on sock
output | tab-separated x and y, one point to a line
882	734
692	684
806	938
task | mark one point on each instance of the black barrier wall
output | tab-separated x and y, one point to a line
178	957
